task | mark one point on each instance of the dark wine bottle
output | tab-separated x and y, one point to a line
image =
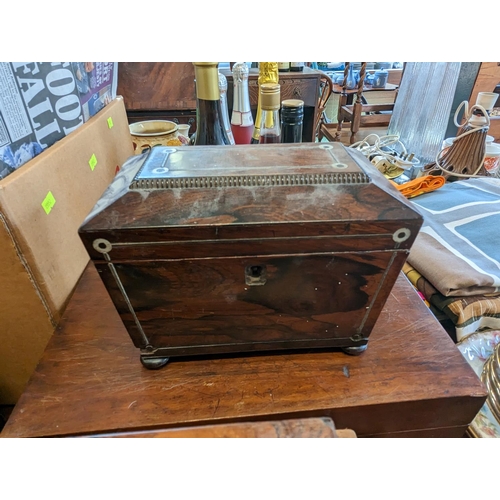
269	138
270	129
210	128
292	117
296	66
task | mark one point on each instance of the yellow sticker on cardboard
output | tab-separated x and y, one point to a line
49	202
110	122
92	162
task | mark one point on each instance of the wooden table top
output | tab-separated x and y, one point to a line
411	381
298	428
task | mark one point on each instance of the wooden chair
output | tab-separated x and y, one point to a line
325	91
353	108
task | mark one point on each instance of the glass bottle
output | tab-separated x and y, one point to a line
296	66
210	128
292	116
351	78
224	108
268	73
283	67
241	119
270	129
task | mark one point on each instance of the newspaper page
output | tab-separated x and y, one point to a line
97	83
42	102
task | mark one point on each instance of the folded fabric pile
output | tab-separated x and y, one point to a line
468	314
457	247
456	253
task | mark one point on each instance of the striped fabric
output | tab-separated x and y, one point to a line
458	247
468	314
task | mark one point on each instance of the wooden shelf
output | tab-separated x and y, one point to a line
487	80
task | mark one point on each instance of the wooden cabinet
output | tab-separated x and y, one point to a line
166	91
302	85
158	91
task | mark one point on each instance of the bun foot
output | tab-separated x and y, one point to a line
153	363
355	351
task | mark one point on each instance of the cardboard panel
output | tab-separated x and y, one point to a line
76	171
42	205
25	327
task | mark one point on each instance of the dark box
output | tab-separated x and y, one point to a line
228	249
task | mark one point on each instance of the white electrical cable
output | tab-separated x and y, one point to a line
373	144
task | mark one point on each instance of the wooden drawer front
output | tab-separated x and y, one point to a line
207	306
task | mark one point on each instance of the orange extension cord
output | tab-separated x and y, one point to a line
420	185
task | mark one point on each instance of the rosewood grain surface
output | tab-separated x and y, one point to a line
198	307
323	235
412	380
357	195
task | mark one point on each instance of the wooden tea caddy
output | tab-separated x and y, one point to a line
238	249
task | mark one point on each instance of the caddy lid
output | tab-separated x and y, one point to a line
207	186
